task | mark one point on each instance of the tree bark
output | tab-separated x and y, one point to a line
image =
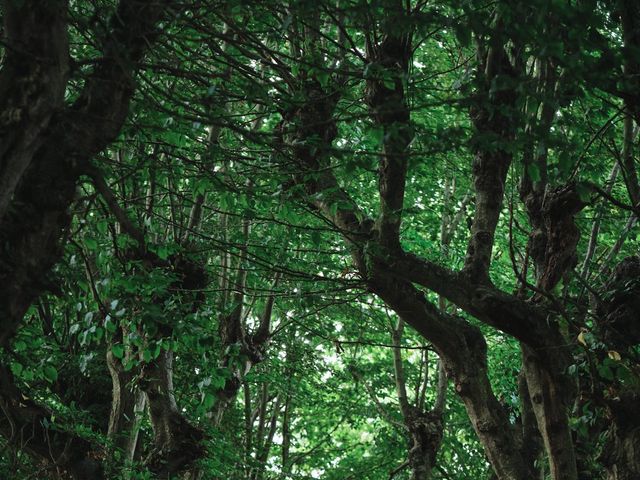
33	79
617	327
621	455
177	442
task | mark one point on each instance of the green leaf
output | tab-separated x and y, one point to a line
110	326
50	373
102	227
208	401
388	81
99	333
16	368
605	372
163	252
147	355
118	350
533	170
91	244
323	77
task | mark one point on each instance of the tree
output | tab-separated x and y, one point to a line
47	144
239	206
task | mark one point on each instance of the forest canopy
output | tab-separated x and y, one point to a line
350	239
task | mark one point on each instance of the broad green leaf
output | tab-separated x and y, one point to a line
118	350
50	373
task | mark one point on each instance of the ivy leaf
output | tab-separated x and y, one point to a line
163	252
99	333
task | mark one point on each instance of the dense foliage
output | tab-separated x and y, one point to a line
343	239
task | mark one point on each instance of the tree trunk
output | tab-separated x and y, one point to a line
33	79
462	348
123	402
621	455
531	442
127	408
549	401
177	442
424	427
618	328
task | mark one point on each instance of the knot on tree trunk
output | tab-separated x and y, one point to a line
425	429
561	234
425	437
617	317
621	454
182	446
